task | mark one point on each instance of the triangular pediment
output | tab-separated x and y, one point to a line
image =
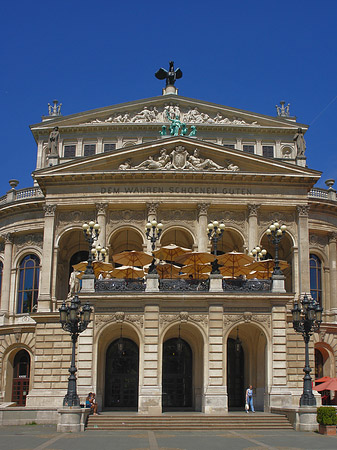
159	110
178	156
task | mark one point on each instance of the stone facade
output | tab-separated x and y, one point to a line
144	176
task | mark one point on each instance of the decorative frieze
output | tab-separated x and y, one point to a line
127	216
183	317
178	215
229	217
119	317
247	317
318	240
24	240
68	217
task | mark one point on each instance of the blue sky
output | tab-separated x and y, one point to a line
245	54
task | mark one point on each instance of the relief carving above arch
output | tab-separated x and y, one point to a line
127	216
183	317
25	240
247	317
318	240
69	217
118	317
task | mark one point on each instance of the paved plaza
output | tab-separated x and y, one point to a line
38	437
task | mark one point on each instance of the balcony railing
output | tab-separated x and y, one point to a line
246	285
183	285
121	285
21	194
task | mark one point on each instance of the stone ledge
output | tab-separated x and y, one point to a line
301	418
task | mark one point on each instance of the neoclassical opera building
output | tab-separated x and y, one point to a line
186	343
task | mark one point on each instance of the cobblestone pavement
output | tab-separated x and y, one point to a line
38	437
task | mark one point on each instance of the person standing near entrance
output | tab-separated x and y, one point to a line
249	399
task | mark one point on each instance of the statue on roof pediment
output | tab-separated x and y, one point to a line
179	159
169	112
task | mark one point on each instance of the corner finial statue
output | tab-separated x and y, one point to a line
171	75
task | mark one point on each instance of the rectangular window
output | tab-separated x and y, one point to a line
69	151
268	151
89	149
229	146
109	147
248	148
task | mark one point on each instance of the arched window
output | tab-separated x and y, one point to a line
1	270
28	288
316	278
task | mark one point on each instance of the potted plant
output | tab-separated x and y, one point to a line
327	419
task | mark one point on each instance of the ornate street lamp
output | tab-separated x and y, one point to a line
74	320
275	233
91	232
99	253
307	320
214	233
153	232
258	253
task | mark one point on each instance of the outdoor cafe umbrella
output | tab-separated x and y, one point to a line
196	270
127	272
234	261
232	272
330	385
166	270
264	269
201	276
132	258
170	252
98	267
195	258
321	380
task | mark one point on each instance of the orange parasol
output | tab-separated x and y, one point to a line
127	272
166	270
195	258
235	263
170	252
132	258
264	269
196	269
98	266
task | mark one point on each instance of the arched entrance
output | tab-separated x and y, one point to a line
235	374
121	375
246	364
177	374
21	371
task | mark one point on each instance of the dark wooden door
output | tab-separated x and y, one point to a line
21	378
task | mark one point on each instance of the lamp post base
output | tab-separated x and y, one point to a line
72	419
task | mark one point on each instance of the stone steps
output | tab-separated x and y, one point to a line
233	421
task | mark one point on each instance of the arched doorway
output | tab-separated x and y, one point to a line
235	373
21	371
177	374
121	375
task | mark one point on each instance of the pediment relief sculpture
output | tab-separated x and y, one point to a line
178	159
170	112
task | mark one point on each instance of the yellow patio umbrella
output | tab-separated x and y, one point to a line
195	258
98	267
132	258
201	276
166	270
232	272
234	262
196	270
127	272
170	252
264	269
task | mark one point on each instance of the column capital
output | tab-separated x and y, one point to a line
203	208
152	207
253	209
49	210
8	238
332	238
303	210
101	208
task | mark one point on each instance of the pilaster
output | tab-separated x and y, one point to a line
303	248
333	272
6	277
215	398
45	297
150	391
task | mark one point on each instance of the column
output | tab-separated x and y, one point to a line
100	145
252	226
333	272
303	248
150	393
101	209
6	277
202	227
215	398
44	299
